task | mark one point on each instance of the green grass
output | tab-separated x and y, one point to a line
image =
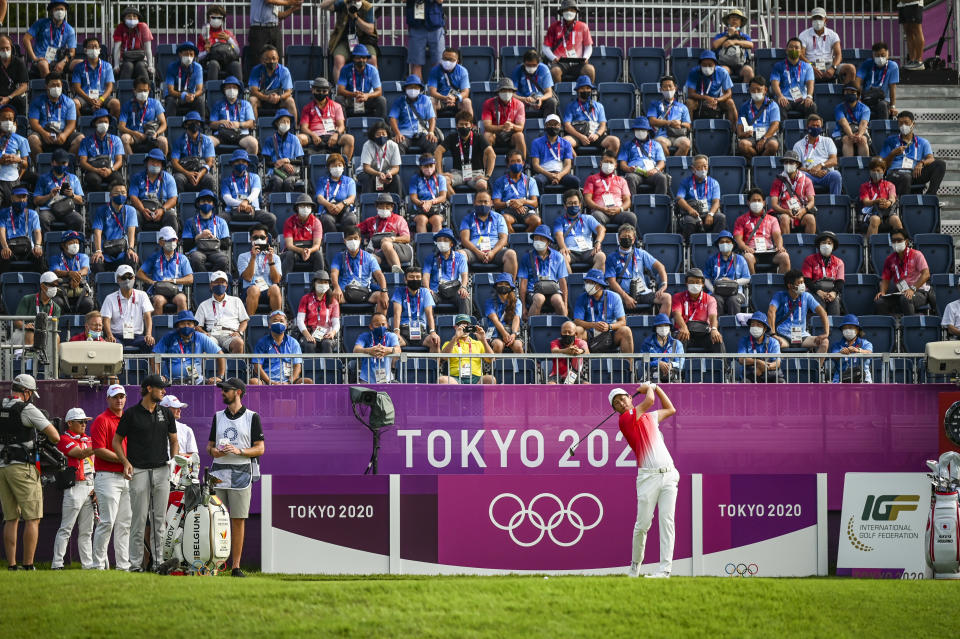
141	606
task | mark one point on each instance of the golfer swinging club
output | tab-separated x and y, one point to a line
657	479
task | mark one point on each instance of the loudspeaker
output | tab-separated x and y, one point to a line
943	358
90	359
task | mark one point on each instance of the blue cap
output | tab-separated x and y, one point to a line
360	51
426	160
444	233
183	46
20	190
282	113
156	154
641	123
239	154
413	79
192	116
850	320
662	319
503	277
231	80
723	234
100	113
206	193
184	316
708	55
543	231
759	316
595	275
584	81
69	236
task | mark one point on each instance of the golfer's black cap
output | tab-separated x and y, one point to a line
233	383
155	381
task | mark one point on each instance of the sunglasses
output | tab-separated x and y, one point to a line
126	277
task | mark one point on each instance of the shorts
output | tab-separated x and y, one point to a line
20	493
569	71
912	14
236	501
672	141
503	138
581	257
343	48
473	379
456	179
223	340
50	148
417	42
496	259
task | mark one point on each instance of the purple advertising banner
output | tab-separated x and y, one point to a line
510	430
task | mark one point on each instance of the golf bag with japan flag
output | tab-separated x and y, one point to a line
942	541
197	538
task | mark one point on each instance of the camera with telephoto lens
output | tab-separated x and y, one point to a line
352	9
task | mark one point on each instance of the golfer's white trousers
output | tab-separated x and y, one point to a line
655	489
113	498
77	509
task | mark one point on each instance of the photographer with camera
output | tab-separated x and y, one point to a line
79	500
260	271
469	337
21	496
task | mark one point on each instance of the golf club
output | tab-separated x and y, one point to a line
573	449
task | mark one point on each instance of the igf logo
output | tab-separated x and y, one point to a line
888	507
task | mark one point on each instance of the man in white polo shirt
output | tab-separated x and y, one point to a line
821	48
223	317
657	479
127	314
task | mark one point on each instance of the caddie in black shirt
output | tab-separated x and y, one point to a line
148	429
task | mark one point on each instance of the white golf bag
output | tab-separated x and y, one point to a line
197	538
942	539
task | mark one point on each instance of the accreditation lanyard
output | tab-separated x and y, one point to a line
410	315
49	310
593	308
727	270
349	265
904	265
467	156
688	315
326	190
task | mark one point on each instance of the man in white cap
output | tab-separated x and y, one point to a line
223	317
166	272
128	315
551	159
21	496
657	479
185	436
111	487
79	500
40	302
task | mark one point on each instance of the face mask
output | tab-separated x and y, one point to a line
153	169
482	210
463	131
707	71
757	97
553	131
516	167
826	249
384	213
283	127
94	334
569	16
73	249
790	168
566	340
585	95
818	25
52	291
321	95
260	242
186	60
170	246
19	207
414	285
591	289
879	62
352	245
905	129
640	134
443	247
119	200
663	331
58	169
54	92
230	94
849	334
531	69
756	332
359	64
379	332
131	22
850	98
93	54
304	212
321	289
206	208
505	96
381	140
59	15
625	242
876	175
802	288
239	169
726	248
413	94
448	65
102	127
5	54
219	289
427	170
270	66
694	289
793	55
668	95
278	327
186	332
814	131
608	167
216	23
573	211
8	126
899	247
503	290
126	284
700	173
539	246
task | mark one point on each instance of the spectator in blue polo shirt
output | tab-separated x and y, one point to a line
16	168
183	84
378	342
413	122
428	195
671	117
484	233
534	84
579	237
543	276
353	272
261	271
585	120
726	274
661	342
240	191
851	369
52	117
16	221
630	274
599	316
698	200
50	43
205	255
853	119
153	192
642	160
272	371
909	159
502	313
92	82
114	221
358	87
878	79
425	28
788	312
449	85
759	341
166	266
445	274
142	121
413	318
56	185
73	269
516	195
185	339
283	155
709	90
791	83
336	192
101	155
551	159
232	119
271	86
759	122
193	158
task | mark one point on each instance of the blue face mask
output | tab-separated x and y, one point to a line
119	200
482	211
59	170
573	211
19	207
379	332
239	169
206	207
278	328
814	131
380	139
516	167
186	332
219	289
849	98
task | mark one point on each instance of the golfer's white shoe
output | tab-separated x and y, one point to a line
658	575
634	570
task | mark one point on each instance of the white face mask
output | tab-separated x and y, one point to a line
879	62
230	94
849	334
700	173
756	332
708	71
757	97
876	175
790	168
186	60
141	96
591	289
663	331
668	95
694	289
5	55
531	69
443	247
73	249
826	249
59	15
54	92
640	134
448	65
8	126
131	22
321	288
216	23
384	213
539	245
102	127
756	207
93	54
170	246
818	25
608	167
413	94
899	247
569	16
283	127
52	291
726	248
304	211
352	245
905	129
154	169
336	172
802	288
259	242
505	96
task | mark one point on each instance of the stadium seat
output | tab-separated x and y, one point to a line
619	99
147	244
461	205
608	62
764	59
575	288
937	248
881	330
730	171
409	166
482	288
880	130
302	95
733	206
515	371
641	326
920	213
332	245
419	370
282	205
677	167
765	170
703	370
543	330
164	55
392	64
201	287
859	289
565	95
712	137
762	288
316	168
105	284
667	248
162	324
134	370
793	131
682	61
702	247
856	57
850	250
878	248
214	91
551	208
740	93
654	213
649	93
522	243
175	128
918	331
645	64
586	165
307	62
731	332
16	285
798	247
610	370
480	92
510	58
946	287
70	325
423	248
533	130
827	96
480	62
855	172
833	213
297	285
241	244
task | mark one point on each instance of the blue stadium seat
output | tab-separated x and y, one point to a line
731	332
510	58
850	250
667	248
392	91
105	283
881	330
856	57
765	170
827	96
423	247
461	205
619	99
175	128
703	370
257	328
480	92
730	171
543	330
515	371
482	289
213	90
134	370
645	64
445	327
70	325
764	59
878	248
522	243
17	284
201	287
332	245
859	289
124	91
855	171
409	166
164	55
420	370
918	331
620	127
392	63
833	213
649	93
611	371
297	285
533	130
920	213
793	131
937	248
712	137
682	61
740	93
733	206
316	168
641	326
282	205
880	130
147	244
551	208
306	62
241	244
586	165
162	324
608	62
677	167
654	213
480	62
946	286
575	288
358	127
762	288
701	247
798	247
565	95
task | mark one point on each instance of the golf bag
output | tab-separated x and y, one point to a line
942	539
197	538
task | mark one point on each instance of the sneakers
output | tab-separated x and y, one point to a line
236	572
56	567
26	567
14	567
913	65
658	575
135	569
634	570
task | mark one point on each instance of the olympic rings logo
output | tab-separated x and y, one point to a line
536	519
741	570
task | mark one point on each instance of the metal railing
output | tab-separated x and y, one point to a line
16	358
533	368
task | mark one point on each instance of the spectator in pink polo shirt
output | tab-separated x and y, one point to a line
607	195
905	280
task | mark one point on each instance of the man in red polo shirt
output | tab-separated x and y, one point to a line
567	370
695	316
322	125
905	280
566	42
392	250
110	486
757	234
607	195
792	197
92	328
657	478
78	499
302	234
504	117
